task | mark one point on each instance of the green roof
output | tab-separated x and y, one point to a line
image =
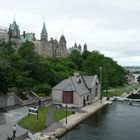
44	28
28	37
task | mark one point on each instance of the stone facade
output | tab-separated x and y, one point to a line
51	48
78	48
3	34
8	100
77	91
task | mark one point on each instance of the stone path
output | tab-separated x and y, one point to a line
50	114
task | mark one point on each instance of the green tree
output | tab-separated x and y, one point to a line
3	81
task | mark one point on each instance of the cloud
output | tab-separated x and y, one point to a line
110	26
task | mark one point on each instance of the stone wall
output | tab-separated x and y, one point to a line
3	101
8	100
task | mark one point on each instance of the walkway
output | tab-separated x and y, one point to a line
60	128
50	114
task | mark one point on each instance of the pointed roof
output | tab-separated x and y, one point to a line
72	84
75	45
62	38
85	45
44	30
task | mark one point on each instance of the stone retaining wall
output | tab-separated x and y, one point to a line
8	100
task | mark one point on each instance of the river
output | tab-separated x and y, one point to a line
118	121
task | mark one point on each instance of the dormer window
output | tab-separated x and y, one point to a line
79	81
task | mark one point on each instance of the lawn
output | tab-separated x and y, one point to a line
61	114
119	91
31	123
113	93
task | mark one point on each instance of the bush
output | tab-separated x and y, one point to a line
43	89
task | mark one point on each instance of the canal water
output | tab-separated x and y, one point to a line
119	121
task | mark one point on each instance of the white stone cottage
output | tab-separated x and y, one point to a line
77	91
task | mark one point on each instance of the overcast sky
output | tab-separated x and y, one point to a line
110	26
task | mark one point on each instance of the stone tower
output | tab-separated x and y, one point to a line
62	41
75	45
79	47
85	47
63	46
14	31
44	34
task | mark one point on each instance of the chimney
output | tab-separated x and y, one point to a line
76	74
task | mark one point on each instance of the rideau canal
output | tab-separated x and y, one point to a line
119	121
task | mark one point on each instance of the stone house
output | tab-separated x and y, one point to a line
77	91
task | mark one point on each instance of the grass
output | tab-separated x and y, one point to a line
31	123
42	94
61	114
113	93
119	91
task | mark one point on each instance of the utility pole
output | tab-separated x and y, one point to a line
101	83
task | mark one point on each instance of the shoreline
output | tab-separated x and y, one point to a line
72	121
79	117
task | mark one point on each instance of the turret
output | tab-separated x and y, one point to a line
85	47
44	34
79	47
14	31
62	41
75	45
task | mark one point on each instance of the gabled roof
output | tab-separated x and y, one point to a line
90	80
81	85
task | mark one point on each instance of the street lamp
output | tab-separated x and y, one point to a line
66	113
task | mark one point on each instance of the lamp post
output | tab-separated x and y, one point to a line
66	113
101	83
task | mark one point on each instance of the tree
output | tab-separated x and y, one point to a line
3	81
138	78
76	58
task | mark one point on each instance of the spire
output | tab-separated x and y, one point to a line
75	45
44	35
44	28
79	47
85	47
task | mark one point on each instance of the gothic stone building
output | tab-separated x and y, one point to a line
51	48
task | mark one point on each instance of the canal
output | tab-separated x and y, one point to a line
119	121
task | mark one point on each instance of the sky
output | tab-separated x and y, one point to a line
109	26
